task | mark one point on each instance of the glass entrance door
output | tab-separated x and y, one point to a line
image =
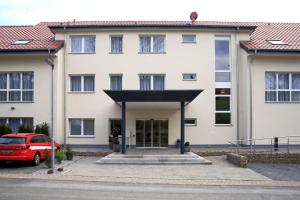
152	133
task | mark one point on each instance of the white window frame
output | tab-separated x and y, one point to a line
194	124
82	83
223	111
277	42
119	36
189	79
82	44
224	84
189	35
152	43
21	90
120	75
290	90
82	135
152	80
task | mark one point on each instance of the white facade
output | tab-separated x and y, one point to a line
251	116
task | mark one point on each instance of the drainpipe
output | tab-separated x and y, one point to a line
250	98
237	85
50	62
64	88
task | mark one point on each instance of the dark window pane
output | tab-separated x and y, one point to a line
76	44
190	121
222	54
283	96
296	96
116	44
270	96
116	82
89	44
27	82
158	82
88	127
222	103
14	81
75	83
270	80
145	82
283	81
27	96
3	96
89	83
14	96
222	91
3	81
223	118
75	126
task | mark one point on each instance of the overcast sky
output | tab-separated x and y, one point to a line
18	12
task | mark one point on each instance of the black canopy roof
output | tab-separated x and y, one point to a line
153	95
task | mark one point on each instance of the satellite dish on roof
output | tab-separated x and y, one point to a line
193	16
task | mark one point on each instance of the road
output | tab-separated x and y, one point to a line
24	189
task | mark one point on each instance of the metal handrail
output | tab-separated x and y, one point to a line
290	140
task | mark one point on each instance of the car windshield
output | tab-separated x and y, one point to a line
12	140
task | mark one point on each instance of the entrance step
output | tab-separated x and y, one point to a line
179	159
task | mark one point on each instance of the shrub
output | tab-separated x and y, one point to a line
59	156
25	129
187	144
42	128
5	129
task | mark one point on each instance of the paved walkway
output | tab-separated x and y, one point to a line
220	172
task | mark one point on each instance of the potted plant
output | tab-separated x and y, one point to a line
116	142
110	140
59	156
69	153
47	158
187	147
177	143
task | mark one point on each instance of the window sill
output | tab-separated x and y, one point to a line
190	124
189	42
81	136
223	125
152	52
16	101
82	53
115	53
189	79
84	92
282	102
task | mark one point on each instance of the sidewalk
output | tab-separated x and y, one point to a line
219	173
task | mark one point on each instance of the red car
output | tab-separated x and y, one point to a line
25	147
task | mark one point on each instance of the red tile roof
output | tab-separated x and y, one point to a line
40	37
289	33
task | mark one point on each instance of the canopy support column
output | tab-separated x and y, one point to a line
123	127
182	128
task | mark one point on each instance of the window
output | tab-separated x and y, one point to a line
82	127
85	83
190	122
15	123
116	44
116	82
189	77
282	87
21	42
83	44
152	82
152	44
189	38
277	42
222	63
223	106
16	87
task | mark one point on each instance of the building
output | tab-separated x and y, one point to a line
205	82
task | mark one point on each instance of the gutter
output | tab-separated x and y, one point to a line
187	26
65	92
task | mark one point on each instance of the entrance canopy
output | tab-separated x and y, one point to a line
153	95
124	97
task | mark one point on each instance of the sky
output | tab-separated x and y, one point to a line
22	12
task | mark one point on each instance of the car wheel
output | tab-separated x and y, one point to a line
36	159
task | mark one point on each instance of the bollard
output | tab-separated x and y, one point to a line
275	143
